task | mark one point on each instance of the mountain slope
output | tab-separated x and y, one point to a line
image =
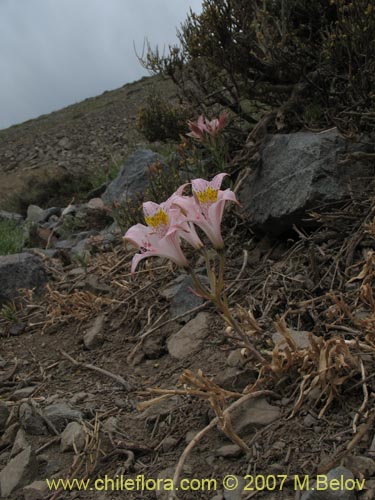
46	157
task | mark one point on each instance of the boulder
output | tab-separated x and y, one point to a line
133	177
19	472
21	270
299	172
10	216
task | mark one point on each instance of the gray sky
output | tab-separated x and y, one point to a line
58	52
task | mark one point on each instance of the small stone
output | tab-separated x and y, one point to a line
360	465
233	379
23	393
153	347
19	472
93	284
31	423
340	474
35	491
35	214
80	397
309	420
236	359
277	468
301	338
235	494
229	451
185	299
17	329
95	204
121	403
190	338
94	336
172	288
20	443
190	435
20	270
110	425
279	445
257	413
167	486
164	407
369	494
169	443
4	414
9	435
69	210
65	143
73	437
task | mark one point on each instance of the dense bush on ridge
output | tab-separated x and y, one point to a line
275	52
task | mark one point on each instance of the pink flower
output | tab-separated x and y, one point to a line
204	127
206	207
165	226
215	125
151	244
198	129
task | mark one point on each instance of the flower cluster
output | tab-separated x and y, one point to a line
176	218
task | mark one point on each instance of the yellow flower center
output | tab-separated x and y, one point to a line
158	219
209	195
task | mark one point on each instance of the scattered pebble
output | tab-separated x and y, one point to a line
73	437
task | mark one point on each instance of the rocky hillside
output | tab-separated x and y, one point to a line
52	155
106	374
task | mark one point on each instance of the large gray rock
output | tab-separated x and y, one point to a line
299	172
132	178
60	414
19	472
21	270
4	215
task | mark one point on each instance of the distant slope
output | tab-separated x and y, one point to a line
38	158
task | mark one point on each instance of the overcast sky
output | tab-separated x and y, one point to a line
58	52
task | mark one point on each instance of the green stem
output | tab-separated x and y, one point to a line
218	297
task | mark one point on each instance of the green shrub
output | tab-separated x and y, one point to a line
278	53
158	120
11	237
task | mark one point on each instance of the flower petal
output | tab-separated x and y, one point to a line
217	180
137	235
